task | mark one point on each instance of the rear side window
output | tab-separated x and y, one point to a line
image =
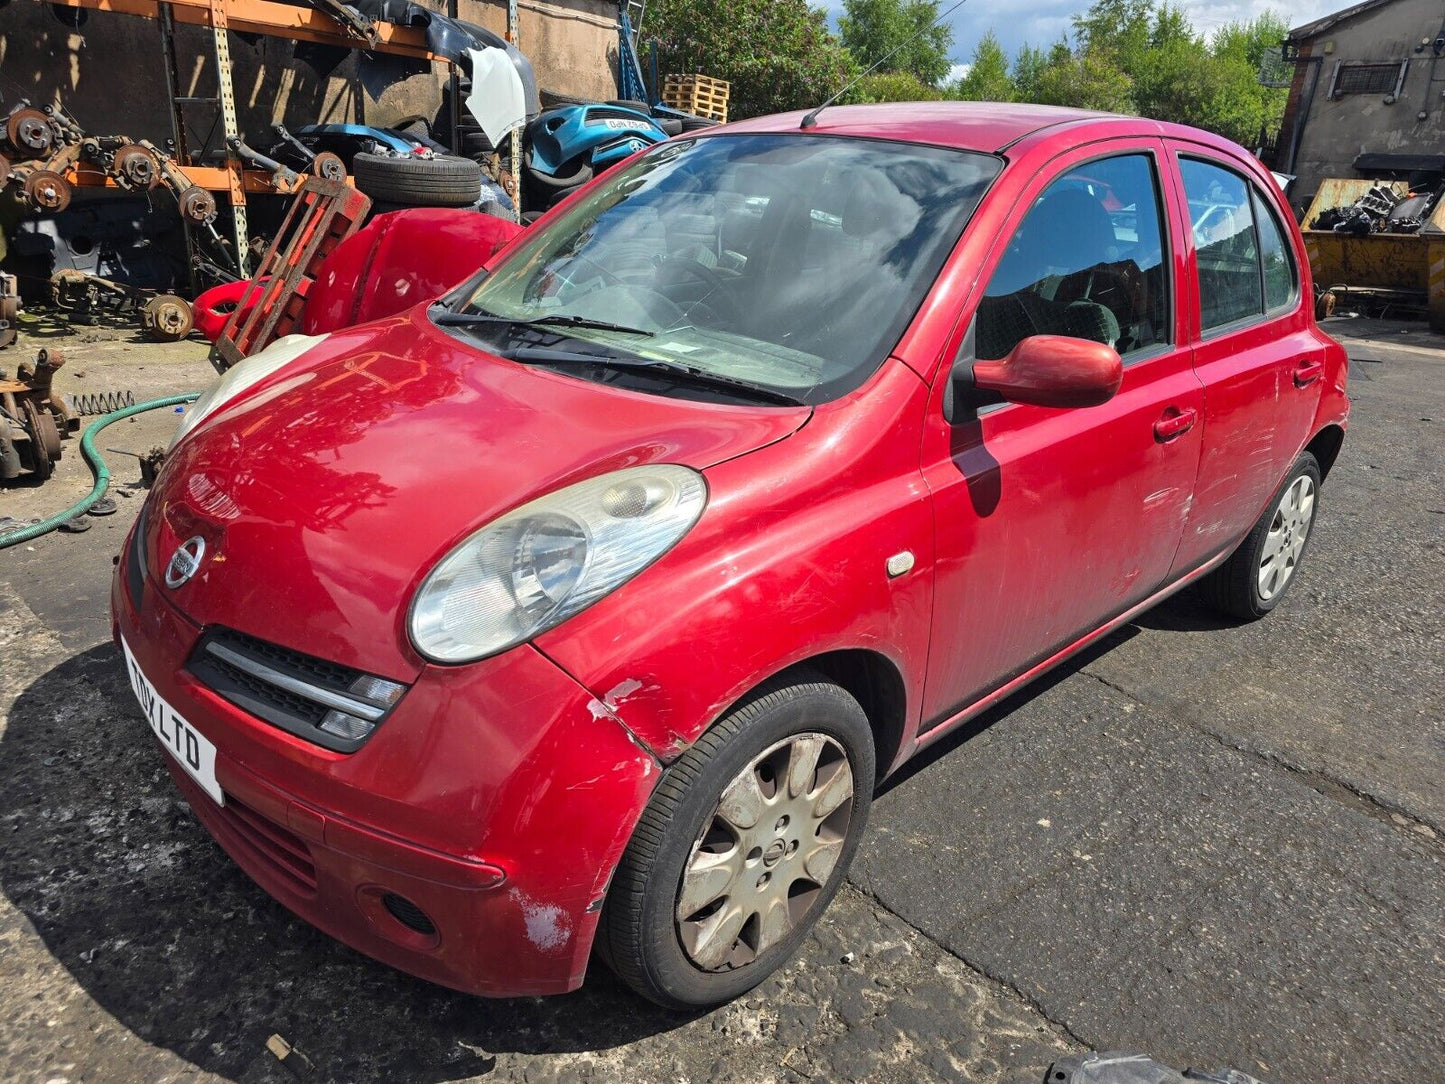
1279	276
1245	269
1087	261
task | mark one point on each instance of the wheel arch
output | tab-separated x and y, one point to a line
1325	447
870	677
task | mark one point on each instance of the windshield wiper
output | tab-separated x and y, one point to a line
560	319
683	374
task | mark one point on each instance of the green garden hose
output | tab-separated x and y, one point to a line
97	467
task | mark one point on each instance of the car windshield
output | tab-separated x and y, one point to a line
791	263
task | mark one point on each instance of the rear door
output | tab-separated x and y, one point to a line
1257	355
1049	522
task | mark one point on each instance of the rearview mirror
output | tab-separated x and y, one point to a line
1053	371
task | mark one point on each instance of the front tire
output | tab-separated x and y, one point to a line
743	845
1254	579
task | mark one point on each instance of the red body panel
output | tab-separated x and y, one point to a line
404	440
478	800
394	261
398	259
327	492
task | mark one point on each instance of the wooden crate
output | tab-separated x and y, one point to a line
701	95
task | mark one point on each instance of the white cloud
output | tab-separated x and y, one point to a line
957	72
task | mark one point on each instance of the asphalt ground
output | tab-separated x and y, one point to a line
1222	845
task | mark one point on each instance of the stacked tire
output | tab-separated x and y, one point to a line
443	181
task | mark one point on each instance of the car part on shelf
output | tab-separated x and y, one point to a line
33	420
46	190
568	146
134	167
29	132
281	176
323	214
419	182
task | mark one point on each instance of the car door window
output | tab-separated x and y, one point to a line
1280	281
1087	261
1245	268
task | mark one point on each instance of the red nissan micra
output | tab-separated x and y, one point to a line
585	607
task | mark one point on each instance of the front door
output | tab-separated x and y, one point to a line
1049	521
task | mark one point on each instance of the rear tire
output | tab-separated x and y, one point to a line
419	182
1254	579
671	929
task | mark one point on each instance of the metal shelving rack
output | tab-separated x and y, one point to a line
336	25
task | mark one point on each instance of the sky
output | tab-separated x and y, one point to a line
1041	22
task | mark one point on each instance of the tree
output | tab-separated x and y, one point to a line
777	54
1144	56
1089	80
874	29
1116	29
1028	69
894	87
988	78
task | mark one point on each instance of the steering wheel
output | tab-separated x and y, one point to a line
686	265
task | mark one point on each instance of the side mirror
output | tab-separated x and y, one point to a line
1053	371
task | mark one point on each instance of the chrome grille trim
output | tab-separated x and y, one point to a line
325	697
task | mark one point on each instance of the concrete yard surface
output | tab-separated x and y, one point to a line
1221	845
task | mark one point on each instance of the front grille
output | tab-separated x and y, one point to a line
332	705
266	844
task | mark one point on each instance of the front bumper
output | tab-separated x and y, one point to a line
496	799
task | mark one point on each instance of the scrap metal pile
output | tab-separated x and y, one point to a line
1380	210
33	419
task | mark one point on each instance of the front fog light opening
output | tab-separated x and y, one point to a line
408	914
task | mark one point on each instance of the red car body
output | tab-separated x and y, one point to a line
499	795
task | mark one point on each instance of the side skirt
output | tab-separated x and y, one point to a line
941	728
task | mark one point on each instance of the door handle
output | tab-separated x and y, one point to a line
1174	424
1307	371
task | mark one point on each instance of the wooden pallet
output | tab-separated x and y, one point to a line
701	95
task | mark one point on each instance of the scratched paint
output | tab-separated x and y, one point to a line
548	928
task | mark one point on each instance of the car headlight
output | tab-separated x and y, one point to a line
541	563
246	373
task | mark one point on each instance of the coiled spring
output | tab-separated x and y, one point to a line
102	402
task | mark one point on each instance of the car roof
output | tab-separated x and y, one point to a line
975	126
991	127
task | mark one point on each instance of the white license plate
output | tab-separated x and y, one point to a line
183	741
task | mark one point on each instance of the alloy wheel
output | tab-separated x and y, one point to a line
763	857
1285	541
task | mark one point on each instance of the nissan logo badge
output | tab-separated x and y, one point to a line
185	561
